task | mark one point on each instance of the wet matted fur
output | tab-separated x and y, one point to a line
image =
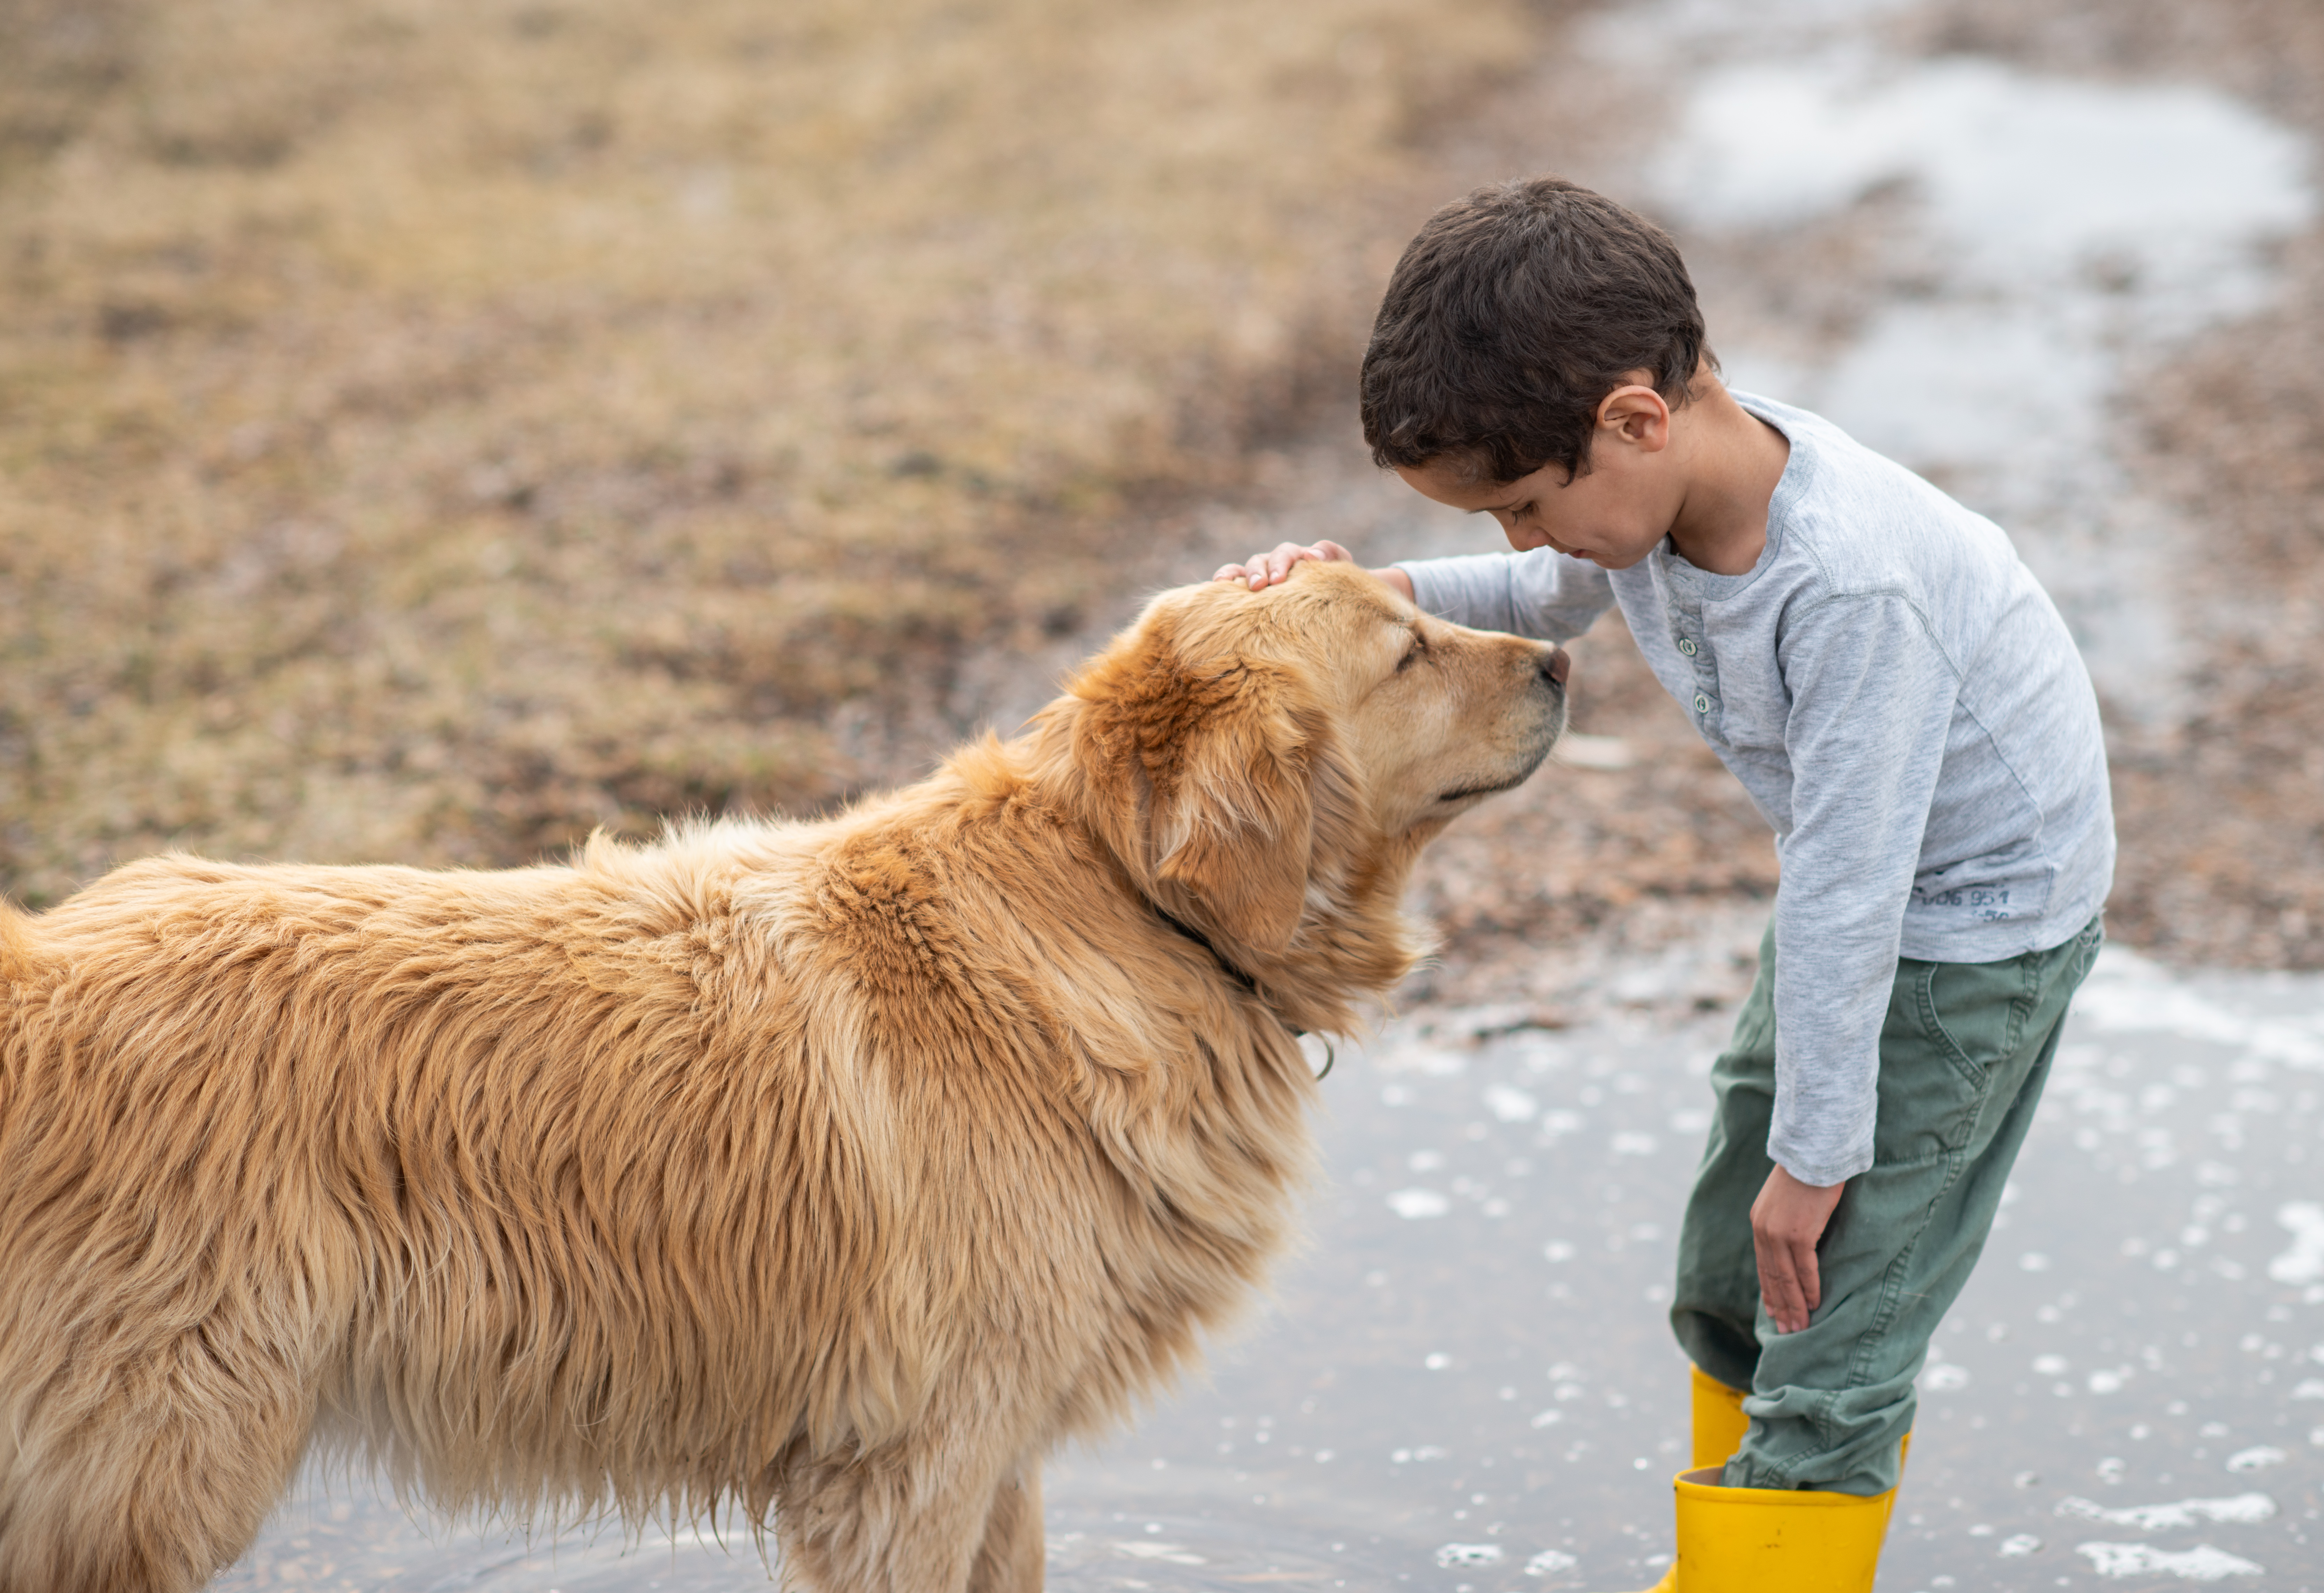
826	1174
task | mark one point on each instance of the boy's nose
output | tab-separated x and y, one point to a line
1557	665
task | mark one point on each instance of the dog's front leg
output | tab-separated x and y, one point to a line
144	1461
909	1519
1010	1559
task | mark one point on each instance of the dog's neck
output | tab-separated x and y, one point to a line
1352	941
1226	965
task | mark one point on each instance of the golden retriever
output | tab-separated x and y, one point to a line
821	1175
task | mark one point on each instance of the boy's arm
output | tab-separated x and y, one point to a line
1872	699
1540	593
1871	709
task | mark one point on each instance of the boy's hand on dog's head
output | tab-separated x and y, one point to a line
1261	570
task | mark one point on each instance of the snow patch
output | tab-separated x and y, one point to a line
1413	1205
1511	1105
2304	1261
2127	994
2243	1510
2202	1563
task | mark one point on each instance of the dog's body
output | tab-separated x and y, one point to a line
833	1172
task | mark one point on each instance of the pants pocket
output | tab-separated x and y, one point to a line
1974	1013
1957	1033
1950	1025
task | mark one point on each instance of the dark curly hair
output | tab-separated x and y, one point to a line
1511	315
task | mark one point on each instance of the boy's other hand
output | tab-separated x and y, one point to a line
1261	570
1786	1220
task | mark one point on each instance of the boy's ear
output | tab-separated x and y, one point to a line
1638	415
1211	767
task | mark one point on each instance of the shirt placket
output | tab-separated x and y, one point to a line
1687	635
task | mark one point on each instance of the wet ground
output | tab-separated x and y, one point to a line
1466	1382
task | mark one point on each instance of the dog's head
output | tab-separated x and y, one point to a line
1267	766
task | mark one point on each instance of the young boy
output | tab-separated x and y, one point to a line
1907	710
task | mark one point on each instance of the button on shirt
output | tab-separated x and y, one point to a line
1904	704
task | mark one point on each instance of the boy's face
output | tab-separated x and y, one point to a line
1613	515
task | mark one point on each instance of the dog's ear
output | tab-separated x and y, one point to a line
1234	823
1205	770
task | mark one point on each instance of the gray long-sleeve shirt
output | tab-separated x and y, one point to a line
1904	704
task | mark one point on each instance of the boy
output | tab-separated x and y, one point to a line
1907	710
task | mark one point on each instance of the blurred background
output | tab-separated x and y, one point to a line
430	431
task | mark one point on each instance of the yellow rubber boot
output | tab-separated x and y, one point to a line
1776	1539
1720	1423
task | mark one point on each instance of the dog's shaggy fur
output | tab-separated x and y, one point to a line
824	1174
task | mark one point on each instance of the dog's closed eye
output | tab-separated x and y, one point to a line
1411	653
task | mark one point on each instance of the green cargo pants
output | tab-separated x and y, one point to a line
1964	1054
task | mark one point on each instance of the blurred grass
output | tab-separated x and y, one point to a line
430	431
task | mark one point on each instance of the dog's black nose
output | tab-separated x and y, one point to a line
1556	665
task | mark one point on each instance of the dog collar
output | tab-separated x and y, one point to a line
1234	971
1226	965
